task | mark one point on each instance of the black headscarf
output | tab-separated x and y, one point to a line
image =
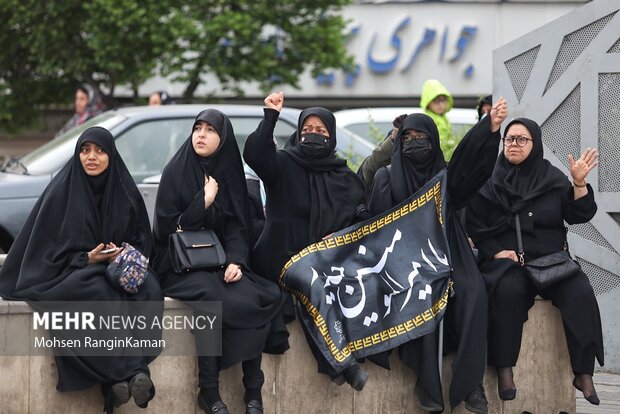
183	180
74	214
406	176
335	190
513	186
488	100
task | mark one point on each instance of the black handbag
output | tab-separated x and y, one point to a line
549	269
195	250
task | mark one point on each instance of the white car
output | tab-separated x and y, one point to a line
374	123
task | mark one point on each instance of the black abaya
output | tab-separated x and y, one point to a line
466	314
250	306
48	261
543	197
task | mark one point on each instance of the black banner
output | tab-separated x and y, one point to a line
377	284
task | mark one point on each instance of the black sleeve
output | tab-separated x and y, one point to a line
472	163
477	218
381	195
578	211
79	260
260	151
236	239
196	216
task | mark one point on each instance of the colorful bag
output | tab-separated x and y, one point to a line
128	270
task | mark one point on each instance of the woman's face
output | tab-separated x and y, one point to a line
94	159
205	139
81	101
154	99
314	125
517	134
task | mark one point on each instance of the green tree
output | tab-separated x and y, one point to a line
49	47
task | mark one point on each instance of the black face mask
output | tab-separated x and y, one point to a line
315	145
418	150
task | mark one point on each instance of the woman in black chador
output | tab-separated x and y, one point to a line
311	193
416	158
92	204
526	184
203	186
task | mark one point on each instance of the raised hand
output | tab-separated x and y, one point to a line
579	169
210	188
498	113
275	101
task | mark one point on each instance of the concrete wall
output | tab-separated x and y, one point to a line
543	378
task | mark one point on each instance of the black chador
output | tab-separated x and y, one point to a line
49	262
250	306
413	164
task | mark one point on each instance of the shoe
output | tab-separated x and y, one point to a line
141	389
356	376
217	407
426	401
505	377
120	393
592	398
477	402
254	407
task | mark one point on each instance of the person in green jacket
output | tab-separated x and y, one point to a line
436	102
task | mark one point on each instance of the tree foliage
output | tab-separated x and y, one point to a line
49	47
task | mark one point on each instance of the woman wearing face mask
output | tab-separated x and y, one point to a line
416	158
311	193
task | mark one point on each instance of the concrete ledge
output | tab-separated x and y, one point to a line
292	385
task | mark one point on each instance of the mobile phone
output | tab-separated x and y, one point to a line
110	250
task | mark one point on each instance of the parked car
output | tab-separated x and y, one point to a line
146	138
374	123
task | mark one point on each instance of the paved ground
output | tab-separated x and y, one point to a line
608	391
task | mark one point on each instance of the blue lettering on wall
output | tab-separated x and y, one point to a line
377	66
382	67
427	39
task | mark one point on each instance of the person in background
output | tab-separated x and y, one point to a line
436	102
160	98
88	103
524	183
484	106
380	156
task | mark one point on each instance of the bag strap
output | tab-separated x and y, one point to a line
521	253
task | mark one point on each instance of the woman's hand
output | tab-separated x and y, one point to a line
507	254
95	255
210	190
498	114
233	273
275	101
579	169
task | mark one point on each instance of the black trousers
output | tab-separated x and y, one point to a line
514	295
209	372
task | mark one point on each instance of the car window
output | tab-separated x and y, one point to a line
48	158
370	131
148	146
244	126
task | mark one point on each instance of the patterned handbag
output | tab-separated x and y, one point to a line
128	270
549	269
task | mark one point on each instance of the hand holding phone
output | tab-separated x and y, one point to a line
110	250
